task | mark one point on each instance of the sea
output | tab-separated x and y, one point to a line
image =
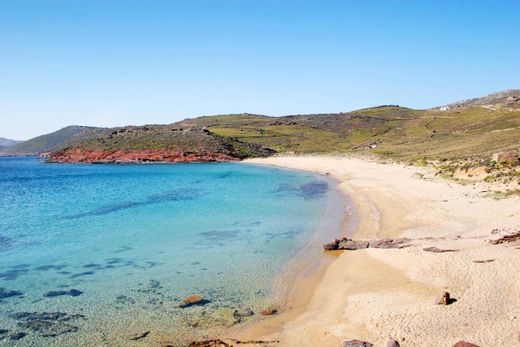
105	255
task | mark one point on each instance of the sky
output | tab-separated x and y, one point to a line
115	63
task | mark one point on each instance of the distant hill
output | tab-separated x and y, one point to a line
7	142
507	99
53	141
465	133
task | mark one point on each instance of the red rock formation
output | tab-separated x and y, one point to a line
77	155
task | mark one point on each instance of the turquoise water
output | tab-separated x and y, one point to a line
99	254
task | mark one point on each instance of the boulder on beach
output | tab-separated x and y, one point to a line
269	311
442	299
392	343
389	243
356	343
352	245
465	344
438	250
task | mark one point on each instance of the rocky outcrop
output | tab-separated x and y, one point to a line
465	344
443	299
356	343
346	244
510	158
392	343
99	156
515	237
438	250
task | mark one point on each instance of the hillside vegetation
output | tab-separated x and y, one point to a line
460	138
5	143
52	141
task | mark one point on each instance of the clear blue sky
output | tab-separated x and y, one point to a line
109	63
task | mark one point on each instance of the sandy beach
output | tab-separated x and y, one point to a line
381	294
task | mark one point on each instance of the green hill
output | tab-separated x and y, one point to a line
53	141
4	143
456	137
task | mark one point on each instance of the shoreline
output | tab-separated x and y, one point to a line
375	295
295	285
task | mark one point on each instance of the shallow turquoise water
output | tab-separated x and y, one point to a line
115	248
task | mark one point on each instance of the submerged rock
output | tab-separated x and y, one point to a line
71	292
4	293
17	336
47	324
193	300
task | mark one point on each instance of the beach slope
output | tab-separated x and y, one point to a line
378	294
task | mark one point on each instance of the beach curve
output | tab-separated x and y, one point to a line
375	294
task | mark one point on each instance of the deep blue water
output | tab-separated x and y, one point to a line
100	253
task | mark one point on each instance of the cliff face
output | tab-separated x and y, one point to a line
100	156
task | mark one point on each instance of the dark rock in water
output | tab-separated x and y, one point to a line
47	324
140	336
51	267
5	243
194	300
356	343
12	274
123	299
438	250
443	299
314	189
80	274
269	311
3	332
465	344
4	293
209	343
71	292
17	336
49	328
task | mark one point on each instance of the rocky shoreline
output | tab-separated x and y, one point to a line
76	155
